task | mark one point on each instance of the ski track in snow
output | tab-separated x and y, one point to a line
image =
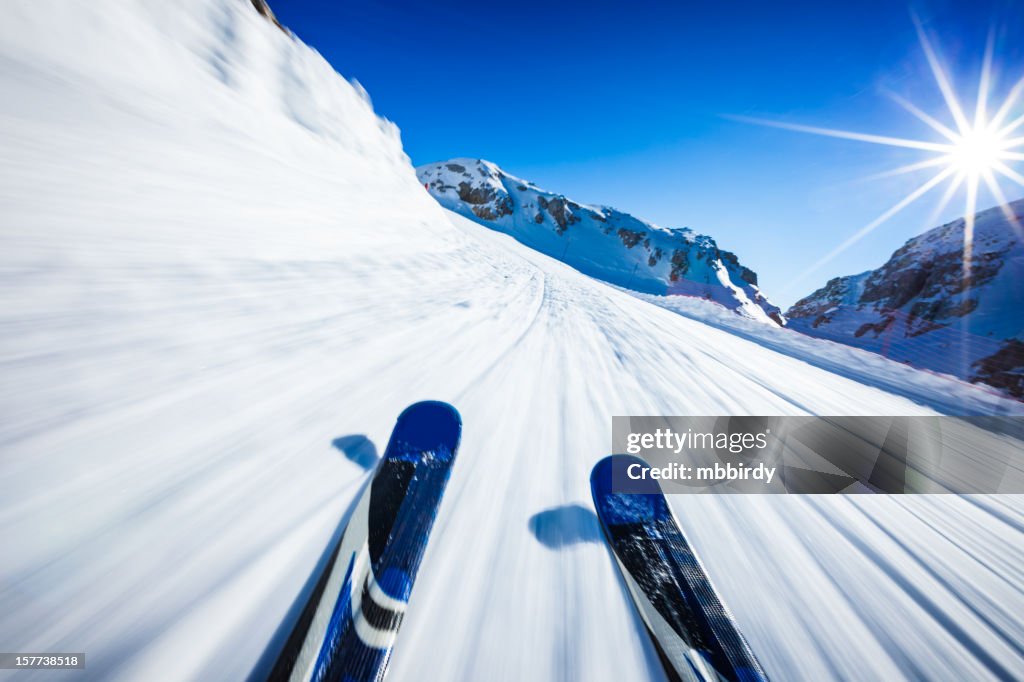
217	263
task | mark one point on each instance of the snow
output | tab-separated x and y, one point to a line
217	263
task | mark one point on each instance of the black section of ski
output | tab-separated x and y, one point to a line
692	609
643	558
388	491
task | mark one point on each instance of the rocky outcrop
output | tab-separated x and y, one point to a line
630	238
1003	369
561	211
263	8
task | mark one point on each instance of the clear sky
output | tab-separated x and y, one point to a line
627	103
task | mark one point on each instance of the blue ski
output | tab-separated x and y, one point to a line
694	634
348	628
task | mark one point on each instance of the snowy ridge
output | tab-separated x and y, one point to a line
598	240
218	271
919	308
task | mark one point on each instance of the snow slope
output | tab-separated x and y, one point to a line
599	240
221	282
919	308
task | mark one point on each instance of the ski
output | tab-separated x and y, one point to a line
694	634
348	628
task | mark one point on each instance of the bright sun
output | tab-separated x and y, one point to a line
971	152
978	152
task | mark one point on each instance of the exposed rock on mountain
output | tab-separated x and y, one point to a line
264	9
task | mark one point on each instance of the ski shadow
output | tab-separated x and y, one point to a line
564	526
358	449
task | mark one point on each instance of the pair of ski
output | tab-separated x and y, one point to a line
346	631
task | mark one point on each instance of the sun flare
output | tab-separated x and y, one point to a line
971	152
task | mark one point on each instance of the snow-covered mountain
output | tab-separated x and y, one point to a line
920	308
598	240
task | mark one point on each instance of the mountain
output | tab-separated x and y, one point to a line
598	240
920	308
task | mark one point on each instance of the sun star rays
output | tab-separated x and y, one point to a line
977	151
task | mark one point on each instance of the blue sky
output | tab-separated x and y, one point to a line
628	104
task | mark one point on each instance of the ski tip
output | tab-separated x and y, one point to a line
428	426
621	498
615	469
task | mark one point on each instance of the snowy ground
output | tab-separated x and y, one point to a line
216	263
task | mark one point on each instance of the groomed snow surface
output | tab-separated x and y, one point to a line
222	281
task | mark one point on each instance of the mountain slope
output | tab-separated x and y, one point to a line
920	308
219	271
598	240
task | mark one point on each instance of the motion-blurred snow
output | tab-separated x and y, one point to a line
219	271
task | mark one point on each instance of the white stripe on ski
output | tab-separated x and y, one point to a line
382	599
372	637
